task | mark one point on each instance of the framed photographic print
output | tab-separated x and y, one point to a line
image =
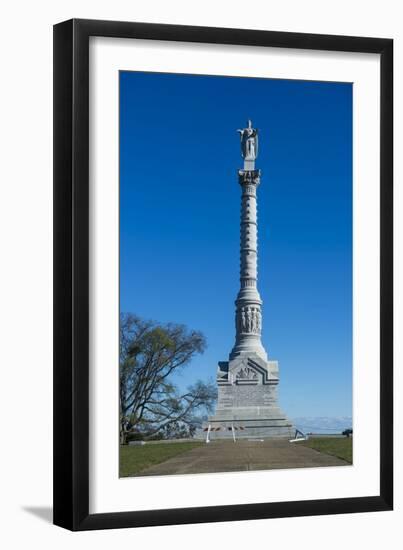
223	321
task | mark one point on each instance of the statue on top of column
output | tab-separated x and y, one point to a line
249	142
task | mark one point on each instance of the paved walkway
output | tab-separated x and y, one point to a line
227	456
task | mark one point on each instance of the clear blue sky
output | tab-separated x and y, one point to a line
179	221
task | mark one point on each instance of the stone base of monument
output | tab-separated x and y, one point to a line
247	401
245	427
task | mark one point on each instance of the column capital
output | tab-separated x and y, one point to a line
249	177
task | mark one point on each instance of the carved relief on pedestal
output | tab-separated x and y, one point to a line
246	373
258	320
249	320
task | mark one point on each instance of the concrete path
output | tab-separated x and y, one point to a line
227	456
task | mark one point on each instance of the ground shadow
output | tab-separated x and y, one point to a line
45	513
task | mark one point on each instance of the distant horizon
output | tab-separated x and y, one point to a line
179	222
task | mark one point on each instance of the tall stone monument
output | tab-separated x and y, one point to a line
248	382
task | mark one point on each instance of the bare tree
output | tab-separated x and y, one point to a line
149	354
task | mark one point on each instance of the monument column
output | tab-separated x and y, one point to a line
247	383
248	315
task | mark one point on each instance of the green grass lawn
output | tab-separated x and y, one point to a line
134	459
342	447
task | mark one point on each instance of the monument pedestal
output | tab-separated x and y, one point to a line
247	400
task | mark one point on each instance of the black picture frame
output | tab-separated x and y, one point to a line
71	274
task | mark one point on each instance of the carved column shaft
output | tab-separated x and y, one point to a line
248	316
248	273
